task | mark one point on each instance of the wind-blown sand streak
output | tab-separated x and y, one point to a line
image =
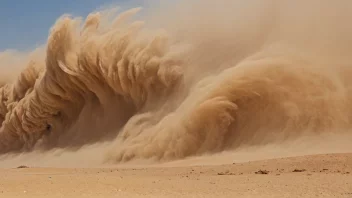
215	77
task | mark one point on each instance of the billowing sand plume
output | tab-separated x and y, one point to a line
214	77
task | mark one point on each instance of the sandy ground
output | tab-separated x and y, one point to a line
308	176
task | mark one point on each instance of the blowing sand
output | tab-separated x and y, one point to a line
182	84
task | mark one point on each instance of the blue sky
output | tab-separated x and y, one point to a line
25	24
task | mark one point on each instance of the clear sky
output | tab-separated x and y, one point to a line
25	24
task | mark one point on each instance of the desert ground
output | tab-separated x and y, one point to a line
326	175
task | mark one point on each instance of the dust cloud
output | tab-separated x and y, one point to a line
180	79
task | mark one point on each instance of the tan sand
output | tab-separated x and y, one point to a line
132	103
324	176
